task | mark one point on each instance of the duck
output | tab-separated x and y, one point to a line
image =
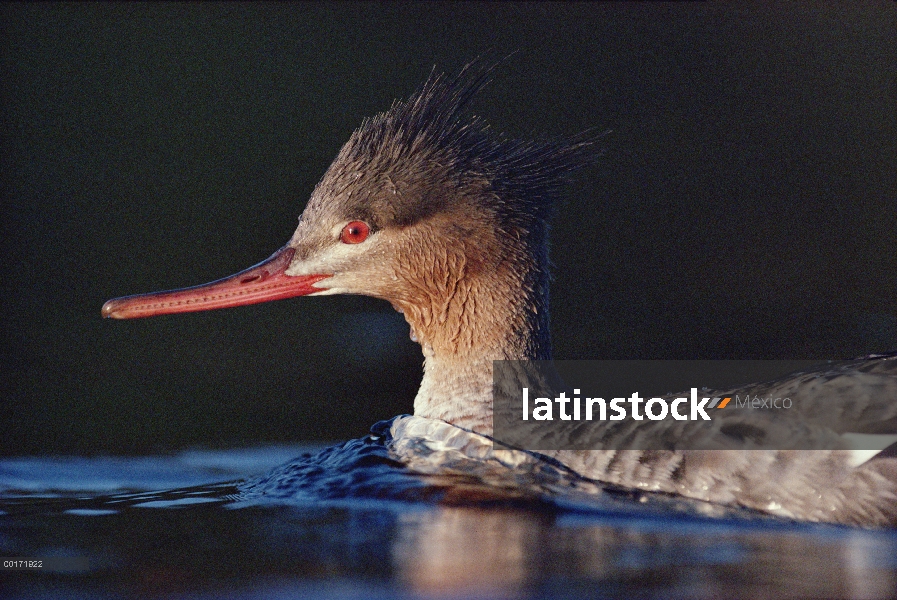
429	209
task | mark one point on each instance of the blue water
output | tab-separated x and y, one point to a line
352	521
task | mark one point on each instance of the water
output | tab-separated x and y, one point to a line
352	521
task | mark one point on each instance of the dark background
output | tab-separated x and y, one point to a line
745	207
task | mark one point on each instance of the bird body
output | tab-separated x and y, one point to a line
429	210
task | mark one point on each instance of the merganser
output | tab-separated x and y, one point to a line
428	209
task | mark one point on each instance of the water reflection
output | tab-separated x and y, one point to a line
458	551
353	532
470	552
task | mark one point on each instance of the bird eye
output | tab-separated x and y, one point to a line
355	232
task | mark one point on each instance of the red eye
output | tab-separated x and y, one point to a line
355	232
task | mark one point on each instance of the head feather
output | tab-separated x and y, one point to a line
426	154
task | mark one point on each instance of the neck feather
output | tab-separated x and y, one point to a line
477	308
